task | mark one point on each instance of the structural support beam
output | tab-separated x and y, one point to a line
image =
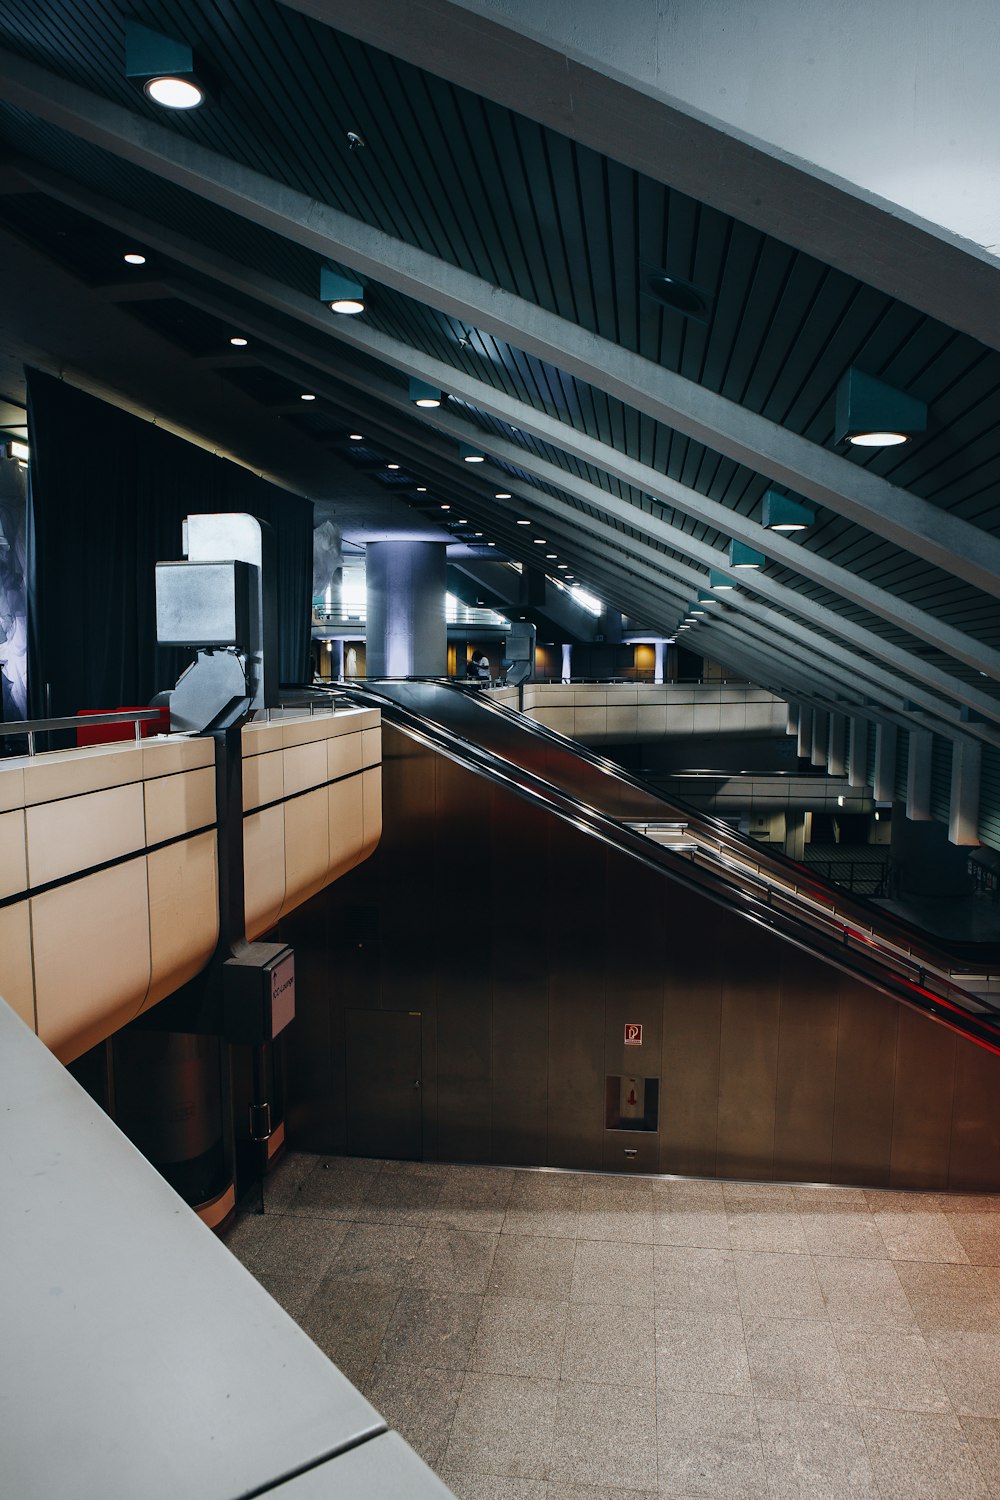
917	526
858	753
810	565
885	762
836	763
792	722
805	732
481	49
966	773
919	751
821	731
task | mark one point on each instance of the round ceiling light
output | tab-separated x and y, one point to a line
503	495
305	396
133	258
174	93
347	305
355	437
239	343
679	296
878	439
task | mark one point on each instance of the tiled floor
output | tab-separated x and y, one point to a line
554	1336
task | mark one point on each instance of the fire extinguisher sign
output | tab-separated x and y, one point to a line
633	1034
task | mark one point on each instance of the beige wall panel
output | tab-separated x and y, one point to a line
347	825
167	756
13	858
91	949
589	721
371	784
652	719
344	754
561	719
622	721
258	739
178	804
11	787
372	743
680	718
305	767
80	832
263	779
707	718
16	984
307	843
264	868
183	913
307	730
74	772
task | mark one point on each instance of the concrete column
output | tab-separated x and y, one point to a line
407	635
859	753
567	661
820	737
884	789
836	758
792	721
659	652
918	775
795	834
966	771
805	732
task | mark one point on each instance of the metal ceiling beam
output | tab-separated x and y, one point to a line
308	311
919	527
878	243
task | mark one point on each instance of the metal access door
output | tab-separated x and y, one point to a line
384	1084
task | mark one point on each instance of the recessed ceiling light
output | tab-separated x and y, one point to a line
563	566
422	394
470	455
306	397
680	296
135	259
392	466
461	523
551	556
174	93
524	523
446	507
356	437
477	533
238	342
421	489
340	293
493	544
503	495
539	541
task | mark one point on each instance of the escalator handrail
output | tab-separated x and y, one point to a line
850	951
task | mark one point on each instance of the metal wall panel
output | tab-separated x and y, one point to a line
975	1130
748	1057
692	1031
807	1068
922	1103
866	1061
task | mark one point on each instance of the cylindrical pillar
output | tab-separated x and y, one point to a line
406	635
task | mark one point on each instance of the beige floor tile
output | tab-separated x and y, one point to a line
694	1280
604	1438
921	1456
890	1369
397	1197
618	1275
766	1220
709	1445
814	1451
449	1261
377	1254
473	1199
863	1293
293	1293
795	1359
819	1199
916	1235
503	1426
283	1185
490	1487
950	1298
969	1365
519	1336
248	1236
617	1210
544	1203
533	1266
335	1188
983	1437
843	1231
301	1246
979	1236
771	1284
432	1330
609	1345
349	1328
418	1404
690	1213
701	1354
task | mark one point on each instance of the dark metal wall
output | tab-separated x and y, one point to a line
526	946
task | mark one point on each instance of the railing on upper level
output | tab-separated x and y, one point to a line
29	728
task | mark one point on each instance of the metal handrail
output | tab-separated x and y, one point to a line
31	727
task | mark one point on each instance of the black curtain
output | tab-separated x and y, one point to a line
108	495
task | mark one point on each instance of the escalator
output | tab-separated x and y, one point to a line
689	848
